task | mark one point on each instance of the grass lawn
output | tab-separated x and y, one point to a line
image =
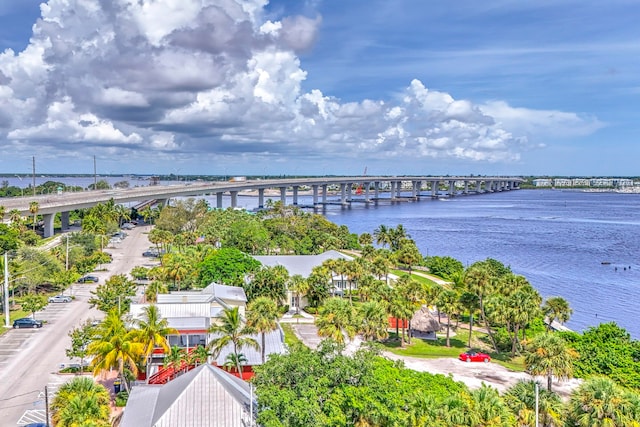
290	337
415	277
429	349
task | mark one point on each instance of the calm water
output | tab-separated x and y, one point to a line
556	239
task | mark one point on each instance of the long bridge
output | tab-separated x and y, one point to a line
369	189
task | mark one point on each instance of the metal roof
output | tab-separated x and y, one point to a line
174	310
300	264
274	344
207	396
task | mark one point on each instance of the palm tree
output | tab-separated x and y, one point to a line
230	330
599	402
382	236
480	281
336	317
489	409
374	323
81	402
556	308
262	317
299	286
549	355
469	301
15	217
235	361
175	359
2	212
34	207
199	355
152	331
521	399
449	303
115	347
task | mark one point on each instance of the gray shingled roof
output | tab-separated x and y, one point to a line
204	397
300	264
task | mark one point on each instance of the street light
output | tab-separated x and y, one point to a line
21	189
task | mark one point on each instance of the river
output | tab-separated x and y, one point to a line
557	239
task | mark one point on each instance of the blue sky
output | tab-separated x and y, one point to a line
320	87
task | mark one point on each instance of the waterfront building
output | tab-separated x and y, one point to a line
562	182
542	182
581	182
601	182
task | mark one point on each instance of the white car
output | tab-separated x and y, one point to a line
60	298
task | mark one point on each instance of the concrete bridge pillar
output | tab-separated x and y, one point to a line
392	187
48	224
295	195
434	188
162	202
314	188
399	189
260	198
219	200
466	187
343	194
366	191
452	188
234	199
488	186
376	190
324	194
283	195
478	186
349	189
64	220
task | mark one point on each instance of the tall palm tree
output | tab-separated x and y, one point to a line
489	409
480	281
262	317
199	355
115	347
230	330
81	401
549	355
521	399
336	318
152	331
382	236
34	207
556	308
448	302
599	402
469	301
299	286
2	212
374	323
16	218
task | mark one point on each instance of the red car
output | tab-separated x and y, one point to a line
475	356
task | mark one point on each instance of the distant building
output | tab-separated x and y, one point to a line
562	182
542	182
580	182
601	182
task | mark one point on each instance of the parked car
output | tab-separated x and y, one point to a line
60	298
89	279
475	356
27	322
128	226
150	254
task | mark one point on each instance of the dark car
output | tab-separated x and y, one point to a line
88	279
27	322
150	254
475	356
36	425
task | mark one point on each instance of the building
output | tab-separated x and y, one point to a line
203	397
542	182
304	265
192	313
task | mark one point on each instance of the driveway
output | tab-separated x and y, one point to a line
472	374
29	358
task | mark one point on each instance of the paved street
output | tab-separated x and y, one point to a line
30	358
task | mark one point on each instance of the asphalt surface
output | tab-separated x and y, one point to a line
30	358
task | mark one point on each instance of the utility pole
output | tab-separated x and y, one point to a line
33	161
537	403
95	174
66	258
46	406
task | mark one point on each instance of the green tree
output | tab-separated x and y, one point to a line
443	266
152	331
81	402
521	399
115	347
488	409
227	266
230	330
33	303
81	337
269	282
448	302
556	308
299	286
480	280
374	323
336	318
114	294
549	355
599	402
262	317
34	207
382	236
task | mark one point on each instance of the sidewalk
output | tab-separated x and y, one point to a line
303	317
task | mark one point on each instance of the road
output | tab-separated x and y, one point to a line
30	358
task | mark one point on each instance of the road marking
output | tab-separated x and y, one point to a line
32	416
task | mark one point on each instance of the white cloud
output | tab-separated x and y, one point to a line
198	76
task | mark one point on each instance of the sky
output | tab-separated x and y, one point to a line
317	87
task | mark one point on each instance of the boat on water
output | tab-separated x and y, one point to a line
605	263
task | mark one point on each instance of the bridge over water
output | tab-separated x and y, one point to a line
369	189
